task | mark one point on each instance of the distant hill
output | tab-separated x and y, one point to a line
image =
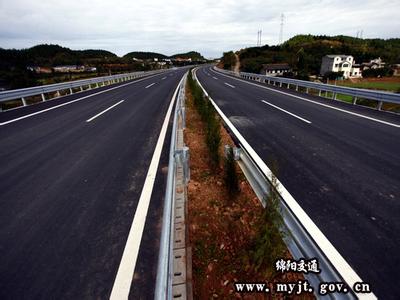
149	55
195	56
14	63
50	55
144	55
304	52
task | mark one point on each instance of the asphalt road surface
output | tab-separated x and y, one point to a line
70	179
342	168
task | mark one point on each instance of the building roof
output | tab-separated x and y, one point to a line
276	66
338	55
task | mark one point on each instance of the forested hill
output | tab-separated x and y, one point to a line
195	56
144	55
50	55
304	52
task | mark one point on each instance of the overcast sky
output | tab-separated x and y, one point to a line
169	27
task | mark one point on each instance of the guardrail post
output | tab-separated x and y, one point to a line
81	88
334	96
380	105
70	91
288	86
355	100
306	90
319	93
280	84
43	97
57	94
23	101
297	88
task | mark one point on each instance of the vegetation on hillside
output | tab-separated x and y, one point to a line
195	56
144	55
14	63
304	52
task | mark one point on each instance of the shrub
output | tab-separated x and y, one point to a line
231	178
269	245
207	114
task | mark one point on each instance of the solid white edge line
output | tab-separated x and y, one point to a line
312	101
123	280
76	100
100	113
288	112
150	85
337	260
232	86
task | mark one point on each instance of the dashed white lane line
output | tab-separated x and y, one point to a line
104	111
312	101
76	100
126	269
288	112
215	78
163	78
232	86
150	85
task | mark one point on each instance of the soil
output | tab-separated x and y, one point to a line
223	228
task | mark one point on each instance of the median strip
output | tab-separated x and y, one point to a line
288	112
104	111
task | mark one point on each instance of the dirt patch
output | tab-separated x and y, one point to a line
222	229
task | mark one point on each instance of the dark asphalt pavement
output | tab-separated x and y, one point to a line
69	190
342	169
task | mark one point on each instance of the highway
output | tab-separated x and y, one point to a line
340	162
71	177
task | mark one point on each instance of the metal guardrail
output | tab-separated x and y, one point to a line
356	93
303	239
171	271
21	94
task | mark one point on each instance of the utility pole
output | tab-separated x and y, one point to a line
259	34
281	29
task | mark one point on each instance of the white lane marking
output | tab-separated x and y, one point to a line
288	112
232	86
99	114
150	85
163	78
73	101
344	269
315	102
126	269
215	78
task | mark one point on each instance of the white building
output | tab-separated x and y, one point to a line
340	63
275	69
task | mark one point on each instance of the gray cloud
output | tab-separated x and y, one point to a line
208	26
